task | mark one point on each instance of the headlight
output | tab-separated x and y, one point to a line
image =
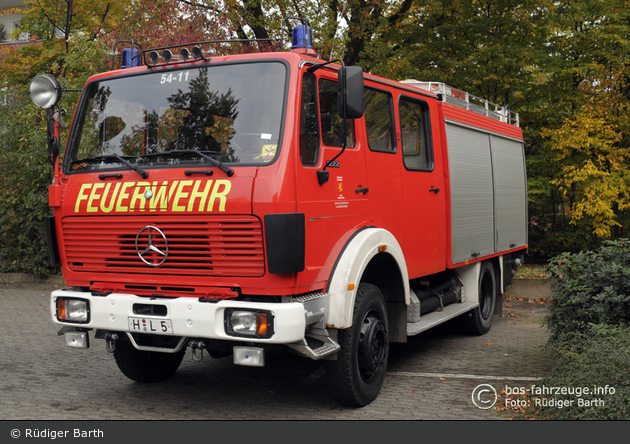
248	323
73	310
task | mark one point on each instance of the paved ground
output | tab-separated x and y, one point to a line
430	377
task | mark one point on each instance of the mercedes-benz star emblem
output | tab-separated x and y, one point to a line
151	255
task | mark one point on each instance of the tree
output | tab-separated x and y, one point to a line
582	135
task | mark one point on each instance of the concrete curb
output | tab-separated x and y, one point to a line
25	278
530	288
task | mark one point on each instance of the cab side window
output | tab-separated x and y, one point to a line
414	135
379	120
332	124
309	125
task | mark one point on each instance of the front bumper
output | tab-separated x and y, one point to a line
189	317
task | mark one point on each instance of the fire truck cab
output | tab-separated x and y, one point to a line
226	203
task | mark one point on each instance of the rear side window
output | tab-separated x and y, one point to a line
379	120
414	134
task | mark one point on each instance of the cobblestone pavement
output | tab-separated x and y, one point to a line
430	377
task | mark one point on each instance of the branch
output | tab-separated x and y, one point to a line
48	18
198	5
401	13
68	22
102	22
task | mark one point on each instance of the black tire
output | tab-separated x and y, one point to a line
478	321
144	366
356	377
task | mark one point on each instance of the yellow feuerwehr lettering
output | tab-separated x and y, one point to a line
181	195
138	194
81	196
202	195
221	195
94	196
108	208
159	196
122	196
172	190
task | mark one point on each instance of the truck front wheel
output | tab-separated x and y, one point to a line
357	375
144	366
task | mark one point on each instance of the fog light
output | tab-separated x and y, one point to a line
248	323
78	339
251	356
73	310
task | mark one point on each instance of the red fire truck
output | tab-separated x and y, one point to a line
229	202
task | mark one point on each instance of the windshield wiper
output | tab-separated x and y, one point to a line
229	171
115	157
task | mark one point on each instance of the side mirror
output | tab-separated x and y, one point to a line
45	91
350	92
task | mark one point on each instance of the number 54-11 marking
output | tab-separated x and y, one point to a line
168	78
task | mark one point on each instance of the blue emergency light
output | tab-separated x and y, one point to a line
130	58
302	37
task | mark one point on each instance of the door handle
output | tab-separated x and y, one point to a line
434	190
362	190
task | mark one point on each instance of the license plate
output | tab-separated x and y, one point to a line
151	326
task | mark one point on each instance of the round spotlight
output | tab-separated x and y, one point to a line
196	52
167	55
45	91
154	57
184	53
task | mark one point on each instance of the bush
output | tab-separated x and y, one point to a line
589	334
590	287
593	359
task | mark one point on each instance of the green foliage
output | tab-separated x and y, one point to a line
597	357
26	170
590	287
23	188
548	237
590	333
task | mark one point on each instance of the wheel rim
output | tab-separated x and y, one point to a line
486	296
373	346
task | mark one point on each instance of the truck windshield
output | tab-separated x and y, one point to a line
230	112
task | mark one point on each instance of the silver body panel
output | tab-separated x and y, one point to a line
488	192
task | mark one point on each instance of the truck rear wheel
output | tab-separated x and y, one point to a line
478	321
145	366
357	375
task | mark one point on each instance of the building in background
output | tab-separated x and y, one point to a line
11	23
